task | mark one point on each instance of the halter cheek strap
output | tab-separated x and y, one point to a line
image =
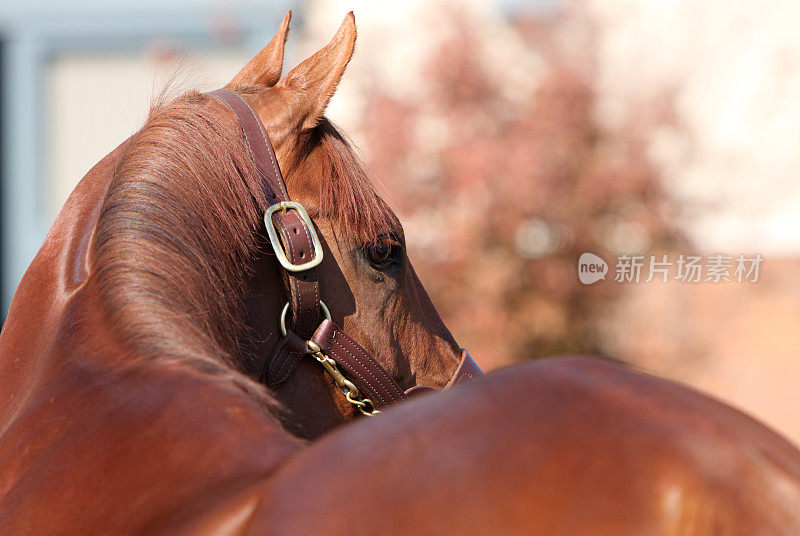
365	383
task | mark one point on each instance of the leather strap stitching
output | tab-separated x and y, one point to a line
286	367
354	371
383	373
266	141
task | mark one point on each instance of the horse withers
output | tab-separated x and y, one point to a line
139	344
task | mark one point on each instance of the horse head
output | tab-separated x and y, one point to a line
365	279
185	263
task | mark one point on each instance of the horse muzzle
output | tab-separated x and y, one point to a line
467	371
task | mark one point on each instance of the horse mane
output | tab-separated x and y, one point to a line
178	232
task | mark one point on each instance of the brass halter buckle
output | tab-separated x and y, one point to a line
277	245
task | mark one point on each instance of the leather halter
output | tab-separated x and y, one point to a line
297	248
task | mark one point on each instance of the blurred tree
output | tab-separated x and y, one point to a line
501	194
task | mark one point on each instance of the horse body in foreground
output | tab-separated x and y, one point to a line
134	358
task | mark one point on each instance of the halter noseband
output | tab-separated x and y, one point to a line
365	383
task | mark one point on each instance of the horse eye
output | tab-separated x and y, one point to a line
383	253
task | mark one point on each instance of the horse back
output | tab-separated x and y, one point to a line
561	446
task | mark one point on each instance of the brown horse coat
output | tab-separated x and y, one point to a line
557	447
97	440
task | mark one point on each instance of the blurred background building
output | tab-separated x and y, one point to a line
525	132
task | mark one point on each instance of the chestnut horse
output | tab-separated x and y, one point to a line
134	360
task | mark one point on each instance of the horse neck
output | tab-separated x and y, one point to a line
57	274
61	368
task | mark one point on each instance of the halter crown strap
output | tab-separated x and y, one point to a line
296	232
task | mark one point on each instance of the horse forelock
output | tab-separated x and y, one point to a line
178	231
347	196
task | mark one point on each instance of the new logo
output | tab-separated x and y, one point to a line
591	268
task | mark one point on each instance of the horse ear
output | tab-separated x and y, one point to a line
265	68
315	80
